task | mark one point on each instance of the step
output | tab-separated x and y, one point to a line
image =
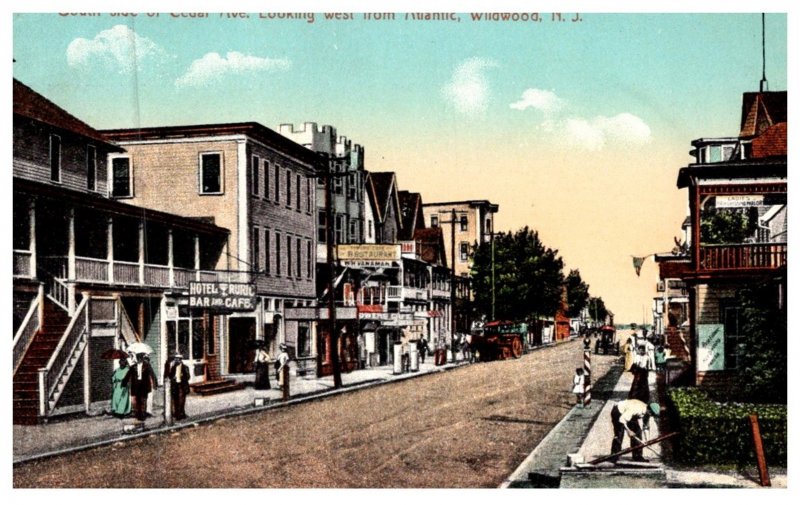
215	387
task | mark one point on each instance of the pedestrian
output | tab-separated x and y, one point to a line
579	386
262	361
640	386
661	359
178	375
628	351
650	351
280	364
121	394
422	349
633	417
153	385
142	379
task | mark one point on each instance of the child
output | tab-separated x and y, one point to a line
578	386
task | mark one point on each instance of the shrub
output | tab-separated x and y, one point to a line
720	433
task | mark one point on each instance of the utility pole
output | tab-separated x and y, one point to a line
452	223
491	239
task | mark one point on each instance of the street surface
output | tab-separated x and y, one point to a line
468	427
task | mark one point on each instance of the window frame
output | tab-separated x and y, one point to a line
111	176
255	168
463	252
55	165
201	173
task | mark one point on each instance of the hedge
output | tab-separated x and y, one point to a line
720	433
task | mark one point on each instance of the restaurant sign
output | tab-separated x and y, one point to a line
368	255
222	296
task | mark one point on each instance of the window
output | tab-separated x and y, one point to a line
256	256
210	173
309	260
277	183
288	256
351	186
289	188
266	179
369	228
463	222
464	252
337	185
55	158
267	267
121	177
255	167
434	221
298	186
277	253
298	271
354	231
303	340
309	195
91	168
340	228
322	229
489	225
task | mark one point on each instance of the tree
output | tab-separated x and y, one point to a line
762	363
577	293
597	309
727	226
528	277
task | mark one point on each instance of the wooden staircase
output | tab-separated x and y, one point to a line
26	380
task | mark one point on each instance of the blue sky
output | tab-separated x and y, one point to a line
575	129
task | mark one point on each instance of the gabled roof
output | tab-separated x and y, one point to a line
382	190
430	245
32	105
761	110
411	213
772	142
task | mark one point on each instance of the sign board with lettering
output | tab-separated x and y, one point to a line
710	347
223	296
734	201
368	255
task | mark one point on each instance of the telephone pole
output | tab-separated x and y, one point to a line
452	223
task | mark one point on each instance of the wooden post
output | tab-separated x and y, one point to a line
763	472
285	377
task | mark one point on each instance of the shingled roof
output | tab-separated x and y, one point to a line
761	110
411	213
382	187
430	245
32	105
770	143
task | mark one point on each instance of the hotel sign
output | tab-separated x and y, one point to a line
368	255
222	296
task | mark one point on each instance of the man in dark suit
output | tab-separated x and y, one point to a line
178	375
143	380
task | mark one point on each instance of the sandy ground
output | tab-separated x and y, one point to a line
469	427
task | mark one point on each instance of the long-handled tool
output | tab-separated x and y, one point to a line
631	449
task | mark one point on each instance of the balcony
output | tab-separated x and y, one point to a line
127	273
440	293
742	257
402	293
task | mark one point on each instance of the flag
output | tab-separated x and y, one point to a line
637	264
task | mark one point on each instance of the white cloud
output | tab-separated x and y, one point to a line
212	67
118	47
593	134
539	99
468	89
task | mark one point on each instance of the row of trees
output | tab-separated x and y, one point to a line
529	280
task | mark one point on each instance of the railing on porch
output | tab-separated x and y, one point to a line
51	374
126	272
156	275
182	276
91	269
394	293
742	256
24	336
59	294
22	264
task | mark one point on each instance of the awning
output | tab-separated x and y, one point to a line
435	313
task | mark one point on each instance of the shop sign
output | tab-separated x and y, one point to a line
734	201
375	316
368	255
710	347
223	296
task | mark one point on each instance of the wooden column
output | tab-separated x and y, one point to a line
32	240
141	252
110	248
170	257
71	261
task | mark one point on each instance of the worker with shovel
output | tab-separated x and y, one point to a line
631	416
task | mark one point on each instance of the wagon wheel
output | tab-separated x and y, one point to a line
516	347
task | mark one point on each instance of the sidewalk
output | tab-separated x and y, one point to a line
79	431
588	433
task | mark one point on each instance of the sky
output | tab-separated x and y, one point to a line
575	127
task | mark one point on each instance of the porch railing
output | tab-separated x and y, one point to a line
25	333
742	256
50	375
126	272
394	293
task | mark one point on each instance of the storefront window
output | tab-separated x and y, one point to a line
198	335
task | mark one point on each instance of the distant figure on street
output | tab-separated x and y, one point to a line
579	386
142	380
633	417
177	373
466	347
661	359
422	349
628	351
640	386
262	361
154	386
121	394
281	363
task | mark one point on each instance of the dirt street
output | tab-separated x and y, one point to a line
469	427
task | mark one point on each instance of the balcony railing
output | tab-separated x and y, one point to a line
742	256
128	273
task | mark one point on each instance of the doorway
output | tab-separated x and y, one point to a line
241	344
